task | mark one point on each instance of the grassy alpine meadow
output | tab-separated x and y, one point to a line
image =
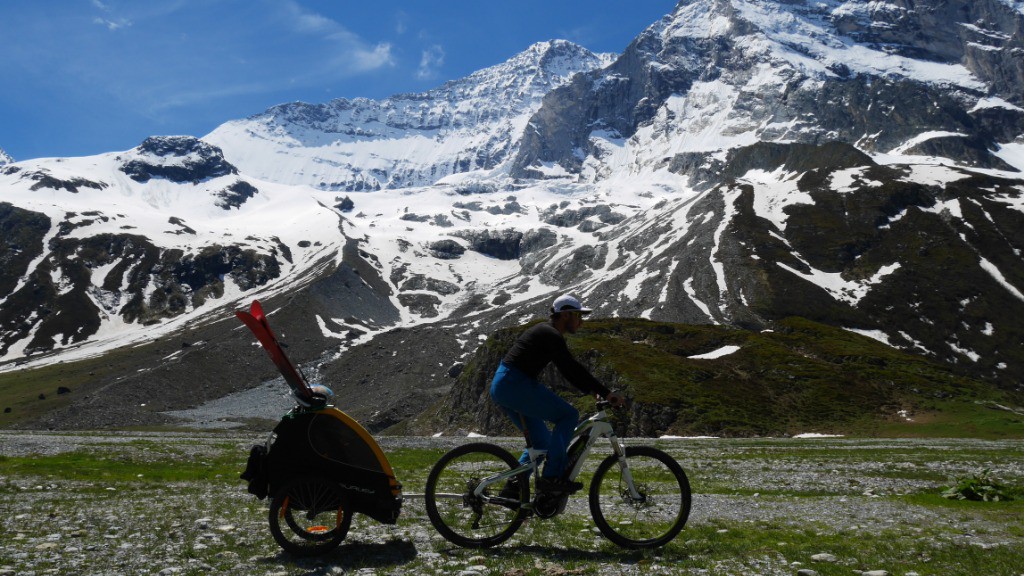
172	504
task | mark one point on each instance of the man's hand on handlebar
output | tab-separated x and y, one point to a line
615	399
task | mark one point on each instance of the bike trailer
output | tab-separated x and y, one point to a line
329	443
318	463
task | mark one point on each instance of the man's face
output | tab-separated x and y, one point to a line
573	321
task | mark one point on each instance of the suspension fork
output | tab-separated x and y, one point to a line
627	475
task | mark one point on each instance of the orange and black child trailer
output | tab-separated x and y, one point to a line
330	443
319	466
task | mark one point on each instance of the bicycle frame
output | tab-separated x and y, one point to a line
594	427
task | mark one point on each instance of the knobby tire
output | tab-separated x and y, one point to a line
458	516
649	523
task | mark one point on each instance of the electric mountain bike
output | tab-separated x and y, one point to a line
478	494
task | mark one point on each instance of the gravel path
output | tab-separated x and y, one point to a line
52	526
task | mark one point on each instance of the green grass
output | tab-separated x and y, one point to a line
951	418
162	462
178	502
20	389
801	377
91	467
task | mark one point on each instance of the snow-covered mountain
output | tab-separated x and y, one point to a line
857	163
902	78
5	158
470	124
166	215
109	249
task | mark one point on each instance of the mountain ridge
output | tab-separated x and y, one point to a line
484	112
795	55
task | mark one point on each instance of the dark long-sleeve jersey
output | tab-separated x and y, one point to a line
543	343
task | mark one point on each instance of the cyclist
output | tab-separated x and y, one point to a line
528	402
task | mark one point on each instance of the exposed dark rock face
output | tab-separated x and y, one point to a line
44	180
236	194
500	244
178	159
798	158
21	242
421	282
423	304
559	215
511	206
880	114
578	267
608	99
985	35
345	204
63	303
446	249
535	240
185	281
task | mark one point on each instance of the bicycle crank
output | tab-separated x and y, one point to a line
550	505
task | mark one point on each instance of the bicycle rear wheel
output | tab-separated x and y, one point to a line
662	509
309	515
463	518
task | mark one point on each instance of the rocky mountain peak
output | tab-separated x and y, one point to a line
5	158
541	66
176	158
892	39
930	78
560	58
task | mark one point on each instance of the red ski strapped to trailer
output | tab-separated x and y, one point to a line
256	320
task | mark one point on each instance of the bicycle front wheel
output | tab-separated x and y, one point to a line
309	515
460	516
661	510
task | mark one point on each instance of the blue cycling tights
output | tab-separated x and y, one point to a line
518	394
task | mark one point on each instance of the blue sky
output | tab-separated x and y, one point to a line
83	77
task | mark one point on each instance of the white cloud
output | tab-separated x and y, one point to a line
431	59
378	57
356	54
112	24
109	23
304	21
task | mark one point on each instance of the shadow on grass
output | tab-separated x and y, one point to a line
353	556
558	554
395	553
